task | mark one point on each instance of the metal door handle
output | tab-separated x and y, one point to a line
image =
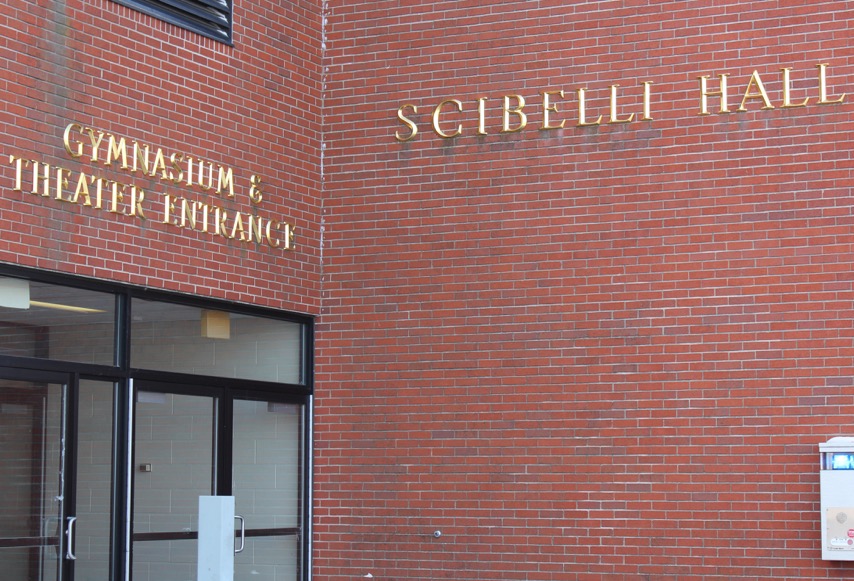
69	538
242	534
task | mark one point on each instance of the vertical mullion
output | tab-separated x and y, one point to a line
69	466
224	444
121	458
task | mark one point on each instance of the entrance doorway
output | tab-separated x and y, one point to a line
120	407
192	441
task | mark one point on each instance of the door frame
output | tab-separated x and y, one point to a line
224	391
67	468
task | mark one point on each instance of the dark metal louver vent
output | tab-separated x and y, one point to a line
211	18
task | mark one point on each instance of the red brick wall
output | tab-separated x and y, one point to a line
253	107
594	353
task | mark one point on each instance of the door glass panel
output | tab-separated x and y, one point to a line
172	560
94	454
267	475
31	468
173	466
268	559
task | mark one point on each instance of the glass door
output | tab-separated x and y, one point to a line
33	523
55	477
267	475
191	441
174	463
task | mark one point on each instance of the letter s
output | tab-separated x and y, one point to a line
413	129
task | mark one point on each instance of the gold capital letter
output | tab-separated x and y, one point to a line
822	87
61	183
705	93
481	116
517	110
99	190
19	168
438	110
82	188
66	140
787	91
551	108
44	178
137	196
582	114
220	219
117	151
168	209
96	143
647	115
116	197
225	181
613	116
272	242
176	174
413	129
755	81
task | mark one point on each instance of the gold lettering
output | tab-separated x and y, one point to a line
413	129
159	164
177	174
276	242
225	180
517	110
66	140
647	115
117	195
188	214
189	171
137	196
95	143
237	226
437	128
613	110
200	177
255	194
44	178
255	229
205	213
582	115
755	81
140	158
787	91
99	190
481	116
272	242
289	236
551	108
705	93
221	217
117	150
61	183
168	210
82	188
822	87
19	170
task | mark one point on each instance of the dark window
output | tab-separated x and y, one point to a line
211	18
